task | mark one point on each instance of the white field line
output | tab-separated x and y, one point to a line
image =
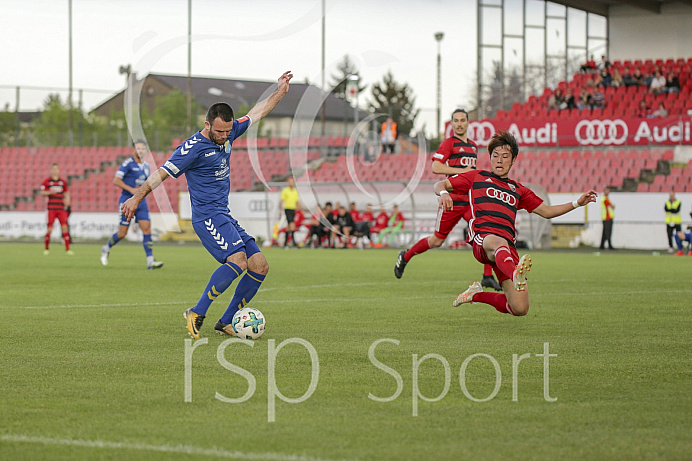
183	449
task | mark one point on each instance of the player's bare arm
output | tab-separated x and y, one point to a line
66	200
264	107
442	188
552	211
442	168
117	182
130	206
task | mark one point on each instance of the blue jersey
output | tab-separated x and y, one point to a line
132	174
207	168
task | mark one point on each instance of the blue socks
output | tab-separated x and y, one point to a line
147	244
677	241
220	280
244	292
113	240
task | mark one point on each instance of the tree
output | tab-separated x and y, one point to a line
397	101
53	126
346	69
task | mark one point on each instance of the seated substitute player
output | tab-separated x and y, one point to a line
205	160
495	201
684	237
455	155
55	188
133	172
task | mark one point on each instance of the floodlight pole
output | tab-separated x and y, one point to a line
69	94
438	38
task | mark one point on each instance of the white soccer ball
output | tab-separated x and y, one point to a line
249	323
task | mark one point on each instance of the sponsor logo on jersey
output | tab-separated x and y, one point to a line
502	196
209	154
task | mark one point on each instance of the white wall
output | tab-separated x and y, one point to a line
640	34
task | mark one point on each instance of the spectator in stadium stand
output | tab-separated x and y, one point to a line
649	76
672	83
638	78
604	78
556	100
590	82
585	100
627	78
569	103
658	84
617	80
604	64
661	112
673	219
598	99
388	135
589	66
607	215
55	188
643	111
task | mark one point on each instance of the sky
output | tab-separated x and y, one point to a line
255	40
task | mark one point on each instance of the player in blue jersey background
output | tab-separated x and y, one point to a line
132	173
205	158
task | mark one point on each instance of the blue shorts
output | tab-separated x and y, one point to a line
141	214
222	236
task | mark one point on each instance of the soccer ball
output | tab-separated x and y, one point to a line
249	323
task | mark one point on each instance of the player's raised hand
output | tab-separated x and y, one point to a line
587	197
284	80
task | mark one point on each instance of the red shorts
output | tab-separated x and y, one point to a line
482	257
60	215
446	220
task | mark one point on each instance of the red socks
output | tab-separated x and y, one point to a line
497	300
66	237
487	270
505	262
47	240
421	246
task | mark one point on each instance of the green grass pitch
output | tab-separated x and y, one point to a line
93	362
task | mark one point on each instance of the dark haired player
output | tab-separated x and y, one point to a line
495	201
205	160
55	188
133	172
455	155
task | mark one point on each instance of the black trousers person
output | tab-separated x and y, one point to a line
607	233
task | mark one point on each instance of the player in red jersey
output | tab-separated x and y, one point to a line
495	200
55	188
455	155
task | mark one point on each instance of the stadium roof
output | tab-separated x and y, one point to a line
602	7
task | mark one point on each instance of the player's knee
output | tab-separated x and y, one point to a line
520	308
435	242
259	265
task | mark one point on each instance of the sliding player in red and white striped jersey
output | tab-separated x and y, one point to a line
494	202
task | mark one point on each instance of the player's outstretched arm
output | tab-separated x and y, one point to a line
552	211
264	107
130	206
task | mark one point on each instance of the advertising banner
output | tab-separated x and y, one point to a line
585	132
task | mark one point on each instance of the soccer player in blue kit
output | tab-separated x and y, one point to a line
204	158
133	172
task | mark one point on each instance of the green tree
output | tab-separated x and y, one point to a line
346	69
8	126
53	126
395	100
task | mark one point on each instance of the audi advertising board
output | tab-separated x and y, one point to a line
586	132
